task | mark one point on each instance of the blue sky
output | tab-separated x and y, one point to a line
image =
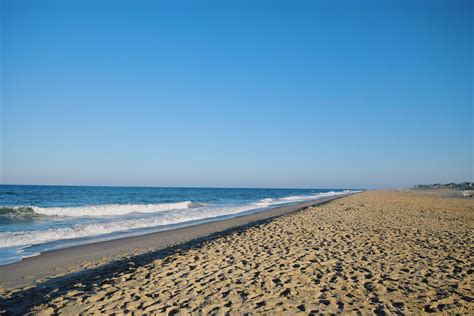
237	94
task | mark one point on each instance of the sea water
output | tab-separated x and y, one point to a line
34	218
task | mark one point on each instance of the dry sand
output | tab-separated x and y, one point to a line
376	252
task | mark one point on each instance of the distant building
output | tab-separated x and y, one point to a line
460	186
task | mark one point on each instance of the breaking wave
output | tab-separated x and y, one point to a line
23	212
299	198
17	212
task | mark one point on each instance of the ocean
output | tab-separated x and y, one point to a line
35	218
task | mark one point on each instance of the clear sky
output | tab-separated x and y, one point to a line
237	94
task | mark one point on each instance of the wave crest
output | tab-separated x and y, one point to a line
24	212
299	198
17	212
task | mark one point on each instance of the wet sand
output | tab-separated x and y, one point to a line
375	252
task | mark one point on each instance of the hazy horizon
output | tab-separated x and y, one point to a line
204	187
239	94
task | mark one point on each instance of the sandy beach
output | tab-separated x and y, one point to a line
374	252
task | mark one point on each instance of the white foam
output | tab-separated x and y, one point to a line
22	238
111	209
300	198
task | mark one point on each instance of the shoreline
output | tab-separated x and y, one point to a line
61	262
377	252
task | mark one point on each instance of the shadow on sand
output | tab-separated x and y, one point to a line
22	301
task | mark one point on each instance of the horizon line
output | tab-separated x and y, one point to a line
180	187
